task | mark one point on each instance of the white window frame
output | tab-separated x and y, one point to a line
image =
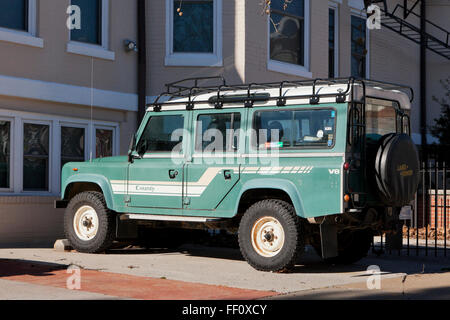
93	50
51	159
84	126
335	6
28	37
194	59
360	13
290	68
115	144
11	155
19	118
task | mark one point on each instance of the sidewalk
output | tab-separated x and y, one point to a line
199	273
411	287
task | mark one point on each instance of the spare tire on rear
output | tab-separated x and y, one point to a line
397	169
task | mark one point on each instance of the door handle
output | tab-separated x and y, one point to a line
227	174
173	174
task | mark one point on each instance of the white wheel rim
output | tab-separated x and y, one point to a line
85	223
267	236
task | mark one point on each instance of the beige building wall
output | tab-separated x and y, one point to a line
53	63
396	59
438	67
391	57
245	41
48	84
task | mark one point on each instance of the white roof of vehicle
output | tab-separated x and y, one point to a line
200	100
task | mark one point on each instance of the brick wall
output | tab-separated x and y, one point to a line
439	213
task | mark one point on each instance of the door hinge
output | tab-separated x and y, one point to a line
187	201
127	199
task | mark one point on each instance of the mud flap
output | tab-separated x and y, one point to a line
329	241
394	241
126	229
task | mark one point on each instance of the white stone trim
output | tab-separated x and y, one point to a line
65	93
194	59
289	68
90	50
28	37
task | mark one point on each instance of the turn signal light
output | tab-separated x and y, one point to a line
75	169
346	198
346	165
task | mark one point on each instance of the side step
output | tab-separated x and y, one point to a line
153	217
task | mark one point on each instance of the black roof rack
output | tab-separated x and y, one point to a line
179	89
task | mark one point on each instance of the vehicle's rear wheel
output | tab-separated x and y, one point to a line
271	236
353	245
88	224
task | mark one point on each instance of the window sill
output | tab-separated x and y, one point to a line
19	37
288	68
193	60
90	51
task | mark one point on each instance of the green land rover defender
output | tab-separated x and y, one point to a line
328	163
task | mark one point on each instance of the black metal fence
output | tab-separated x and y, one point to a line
426	228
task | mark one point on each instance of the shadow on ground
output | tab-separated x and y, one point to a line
14	267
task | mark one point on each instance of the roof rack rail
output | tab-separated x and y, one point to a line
178	90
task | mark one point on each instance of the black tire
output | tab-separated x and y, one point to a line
353	245
105	234
293	246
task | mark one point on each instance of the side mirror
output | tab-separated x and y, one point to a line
131	148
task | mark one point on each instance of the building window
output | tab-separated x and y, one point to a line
333	58
36	157
287	31
358	47
5	156
18	22
72	145
104	143
92	39
33	148
14	14
194	32
91	22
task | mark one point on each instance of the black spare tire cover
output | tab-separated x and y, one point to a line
397	169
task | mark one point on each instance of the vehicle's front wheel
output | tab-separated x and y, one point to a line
88	223
271	236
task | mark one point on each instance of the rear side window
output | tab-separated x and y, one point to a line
161	134
294	129
218	132
381	118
